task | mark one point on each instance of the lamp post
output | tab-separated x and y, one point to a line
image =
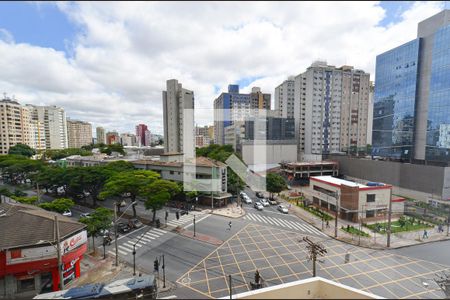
388	243
58	251
194	225
336	194
115	228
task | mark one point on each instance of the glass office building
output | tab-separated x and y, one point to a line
438	126
395	94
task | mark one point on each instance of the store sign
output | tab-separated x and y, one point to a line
73	242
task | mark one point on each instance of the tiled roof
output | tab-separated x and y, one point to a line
26	225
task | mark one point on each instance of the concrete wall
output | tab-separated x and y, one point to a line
403	176
273	154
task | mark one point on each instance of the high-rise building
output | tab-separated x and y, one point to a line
270	128
112	137
128	139
53	119
79	133
284	98
101	136
143	135
331	109
370	114
175	100
411	114
232	106
14	124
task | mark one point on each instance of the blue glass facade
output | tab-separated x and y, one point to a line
438	126
394	101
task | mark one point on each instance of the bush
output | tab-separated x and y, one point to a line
355	231
26	200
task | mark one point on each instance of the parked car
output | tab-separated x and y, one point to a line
258	206
67	213
272	201
135	223
289	187
264	202
283	209
123	227
259	195
247	200
85	215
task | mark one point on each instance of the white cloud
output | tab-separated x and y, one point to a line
125	52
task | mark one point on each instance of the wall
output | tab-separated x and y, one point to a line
421	178
274	154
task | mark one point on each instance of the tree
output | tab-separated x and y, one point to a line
26	200
131	183
402	221
89	180
274	183
59	205
158	194
22	149
100	219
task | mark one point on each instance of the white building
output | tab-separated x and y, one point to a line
101	135
175	100
55	126
331	108
128	139
284	98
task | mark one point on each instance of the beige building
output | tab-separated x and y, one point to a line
79	133
331	109
128	139
175	100
14	125
101	135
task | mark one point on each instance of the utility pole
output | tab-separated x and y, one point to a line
58	251
231	288
388	244
194	225
134	259
337	214
314	250
38	193
115	233
164	271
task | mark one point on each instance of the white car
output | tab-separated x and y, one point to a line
247	200
258	206
264	202
283	209
67	213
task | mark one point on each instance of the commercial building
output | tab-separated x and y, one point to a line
412	91
260	153
331	109
79	133
270	128
233	106
175	100
55	126
304	170
112	137
354	201
101	136
285	98
15	125
203	136
28	253
128	139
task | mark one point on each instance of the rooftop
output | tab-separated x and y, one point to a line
31	225
338	181
310	163
200	162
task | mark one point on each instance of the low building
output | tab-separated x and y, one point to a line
355	201
28	256
304	170
270	152
311	288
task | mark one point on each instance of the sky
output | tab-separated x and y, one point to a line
107	62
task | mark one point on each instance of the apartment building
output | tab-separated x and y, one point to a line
79	133
285	98
112	137
14	125
101	136
175	100
128	139
331	109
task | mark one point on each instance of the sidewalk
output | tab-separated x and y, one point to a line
201	237
375	241
231	211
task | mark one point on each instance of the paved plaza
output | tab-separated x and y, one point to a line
280	257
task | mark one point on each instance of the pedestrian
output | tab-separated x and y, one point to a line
229	225
289	206
425	234
328	224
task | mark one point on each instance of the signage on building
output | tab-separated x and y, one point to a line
73	242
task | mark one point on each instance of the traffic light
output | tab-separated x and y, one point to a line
156	265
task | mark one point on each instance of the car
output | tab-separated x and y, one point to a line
247	200
283	209
123	227
85	215
259	195
258	206
184	212
244	195
67	213
272	201
135	223
289	187
264	202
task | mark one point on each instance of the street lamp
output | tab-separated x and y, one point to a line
336	194
115	228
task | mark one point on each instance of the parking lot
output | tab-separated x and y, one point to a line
281	258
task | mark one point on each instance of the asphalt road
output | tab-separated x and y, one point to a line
438	252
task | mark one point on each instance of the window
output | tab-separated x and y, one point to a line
25	285
370	197
171	172
370	213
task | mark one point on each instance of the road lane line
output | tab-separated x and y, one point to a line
196	221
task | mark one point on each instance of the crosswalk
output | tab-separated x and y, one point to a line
185	219
297	226
126	247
